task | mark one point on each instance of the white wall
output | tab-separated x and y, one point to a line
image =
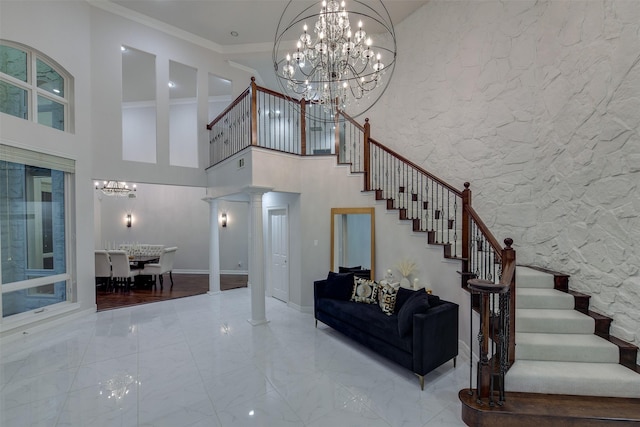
37	24
108	33
536	104
234	238
162	215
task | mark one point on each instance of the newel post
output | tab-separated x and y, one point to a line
509	261
466	227
367	160
303	127
254	112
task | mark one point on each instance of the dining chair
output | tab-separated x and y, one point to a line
164	265
103	267
121	270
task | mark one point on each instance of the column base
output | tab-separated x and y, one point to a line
258	322
212	293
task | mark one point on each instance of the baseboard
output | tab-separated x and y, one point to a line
186	271
236	272
301	308
232	272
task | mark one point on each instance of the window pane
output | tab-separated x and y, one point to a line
13	100
49	79
13	62
32	223
33	298
50	113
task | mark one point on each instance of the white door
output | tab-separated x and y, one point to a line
279	254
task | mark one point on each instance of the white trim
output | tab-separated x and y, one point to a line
145	20
249	70
235	272
139	104
26	322
31	283
219	98
29	157
15	144
301	308
188	271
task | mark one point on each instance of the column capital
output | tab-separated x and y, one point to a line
252	189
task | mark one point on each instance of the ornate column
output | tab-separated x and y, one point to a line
256	258
214	248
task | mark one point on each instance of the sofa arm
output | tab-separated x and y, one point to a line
318	290
435	337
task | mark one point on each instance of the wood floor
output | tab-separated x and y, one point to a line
550	410
184	285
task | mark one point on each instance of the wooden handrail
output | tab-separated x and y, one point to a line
276	94
352	120
415	166
483	229
229	108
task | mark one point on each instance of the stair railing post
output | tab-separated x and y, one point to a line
489	376
303	127
509	258
254	112
366	154
466	229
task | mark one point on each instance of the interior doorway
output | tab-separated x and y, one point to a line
278	253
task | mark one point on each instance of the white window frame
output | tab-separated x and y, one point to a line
31	85
27	317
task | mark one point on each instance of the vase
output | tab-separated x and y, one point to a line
404	283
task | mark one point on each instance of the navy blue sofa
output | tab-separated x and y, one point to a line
420	339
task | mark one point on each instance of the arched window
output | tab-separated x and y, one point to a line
34	87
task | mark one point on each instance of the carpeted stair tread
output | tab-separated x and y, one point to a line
565	347
543	298
575	378
530	278
553	321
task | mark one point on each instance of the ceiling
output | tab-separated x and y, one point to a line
212	22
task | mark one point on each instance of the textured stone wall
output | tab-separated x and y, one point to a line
537	104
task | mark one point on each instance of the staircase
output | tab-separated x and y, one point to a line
557	350
565	360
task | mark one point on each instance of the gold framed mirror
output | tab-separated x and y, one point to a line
353	239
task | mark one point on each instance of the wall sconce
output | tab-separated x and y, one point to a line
224	219
128	220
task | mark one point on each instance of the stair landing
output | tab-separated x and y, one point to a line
547	410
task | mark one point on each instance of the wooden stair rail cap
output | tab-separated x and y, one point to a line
487	286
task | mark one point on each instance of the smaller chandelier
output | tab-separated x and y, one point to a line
340	60
116	188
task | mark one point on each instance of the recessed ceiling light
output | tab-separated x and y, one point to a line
123	49
234	33
171	84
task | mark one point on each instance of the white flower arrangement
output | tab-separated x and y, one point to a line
406	267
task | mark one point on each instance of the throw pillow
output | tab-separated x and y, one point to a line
402	297
387	297
339	286
416	304
365	291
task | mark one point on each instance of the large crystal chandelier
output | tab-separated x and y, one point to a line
116	188
338	55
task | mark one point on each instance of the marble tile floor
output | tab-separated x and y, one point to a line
196	361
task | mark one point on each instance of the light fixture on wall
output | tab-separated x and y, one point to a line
333	61
128	220
116	188
224	219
